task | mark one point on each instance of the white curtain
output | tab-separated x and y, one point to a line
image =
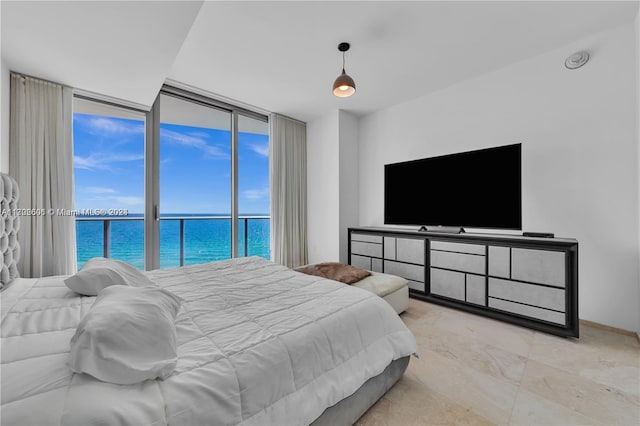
41	160
288	151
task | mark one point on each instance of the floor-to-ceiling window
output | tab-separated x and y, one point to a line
109	144
210	164
253	187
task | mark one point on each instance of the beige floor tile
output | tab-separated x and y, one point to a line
485	395
610	360
473	354
531	409
594	400
475	370
420	313
410	402
505	336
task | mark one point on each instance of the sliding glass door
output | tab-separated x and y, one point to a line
195	183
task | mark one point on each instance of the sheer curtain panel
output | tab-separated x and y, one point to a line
288	150
41	160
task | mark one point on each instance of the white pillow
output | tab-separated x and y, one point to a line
128	335
100	272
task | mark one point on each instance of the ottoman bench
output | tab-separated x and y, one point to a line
393	289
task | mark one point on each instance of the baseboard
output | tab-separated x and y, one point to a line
609	328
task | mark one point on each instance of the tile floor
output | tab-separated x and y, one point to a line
475	370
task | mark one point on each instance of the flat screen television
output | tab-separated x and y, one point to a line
474	189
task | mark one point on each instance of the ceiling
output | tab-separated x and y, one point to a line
282	56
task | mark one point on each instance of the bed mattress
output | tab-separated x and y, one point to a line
258	343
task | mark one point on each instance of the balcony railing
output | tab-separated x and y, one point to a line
135	236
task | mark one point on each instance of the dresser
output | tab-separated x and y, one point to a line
532	282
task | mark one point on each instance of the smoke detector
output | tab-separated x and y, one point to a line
577	60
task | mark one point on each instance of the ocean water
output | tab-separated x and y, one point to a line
205	240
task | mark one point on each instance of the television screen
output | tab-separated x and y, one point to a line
475	189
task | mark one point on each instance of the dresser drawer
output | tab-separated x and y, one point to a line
376	264
366	249
410	250
404	270
367	238
531	294
458	261
538	266
500	261
476	289
363	262
447	283
528	311
390	248
458	247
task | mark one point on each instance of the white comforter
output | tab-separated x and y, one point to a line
258	344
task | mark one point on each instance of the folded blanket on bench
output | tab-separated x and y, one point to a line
336	271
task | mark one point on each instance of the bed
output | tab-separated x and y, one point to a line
257	344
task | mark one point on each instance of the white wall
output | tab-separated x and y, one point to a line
348	178
323	215
4	116
332	184
580	161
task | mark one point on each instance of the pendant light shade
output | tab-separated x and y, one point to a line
344	86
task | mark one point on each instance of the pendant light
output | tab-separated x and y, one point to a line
344	86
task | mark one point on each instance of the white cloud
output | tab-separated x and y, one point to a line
87	163
99	190
127	201
113	199
256	194
261	149
103	161
195	140
101	125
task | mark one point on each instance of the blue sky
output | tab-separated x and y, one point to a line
195	167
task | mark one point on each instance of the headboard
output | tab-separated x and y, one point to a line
9	225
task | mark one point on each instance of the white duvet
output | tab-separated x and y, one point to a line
258	344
